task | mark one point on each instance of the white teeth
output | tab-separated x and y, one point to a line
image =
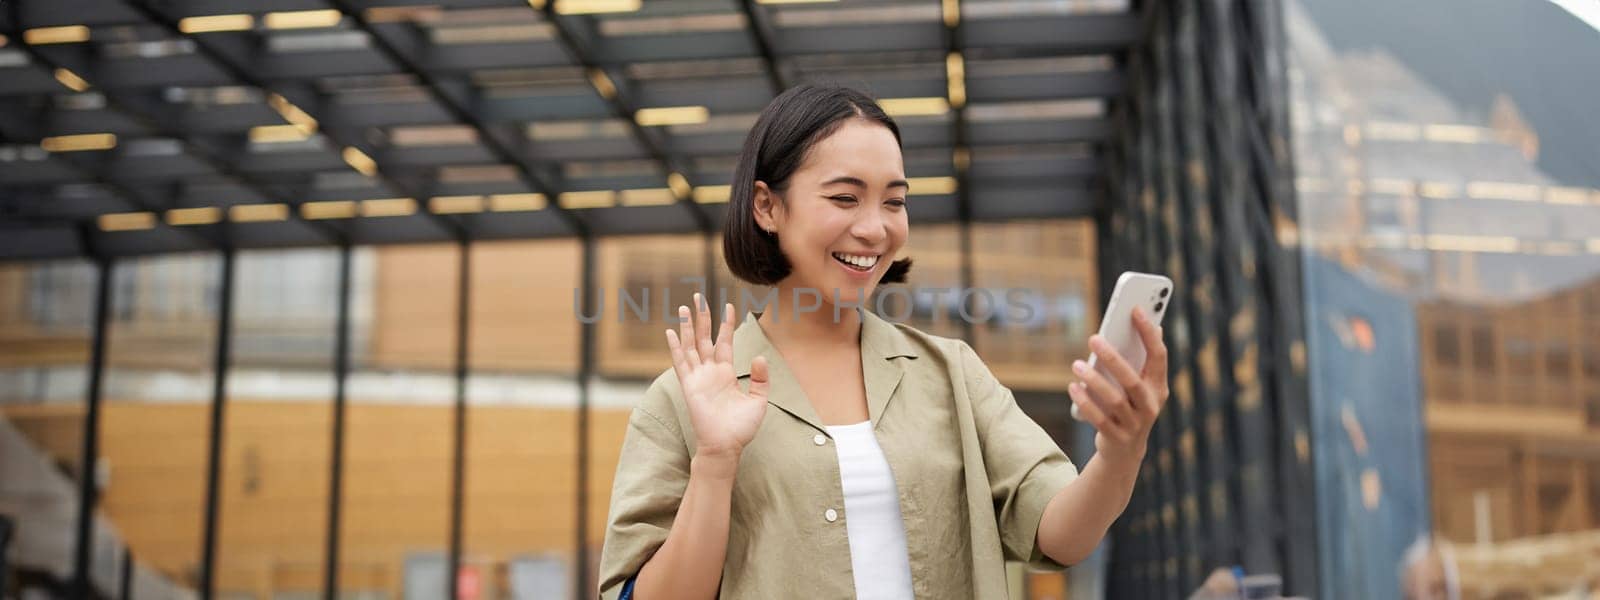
865	262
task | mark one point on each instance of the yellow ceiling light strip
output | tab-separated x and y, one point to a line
955	72
203	215
679	185
1494	190
516	202
1471	243
1560	248
602	83
216	23
906	107
1438	190
648	197
133	221
399	14
79	143
1565	195
293	114
951	9
591	7
271	134
672	115
456	205
359	161
256	213
926	186
711	194
303	19
388	207
794	1
71	80
328	209
1460	134
65	34
590	199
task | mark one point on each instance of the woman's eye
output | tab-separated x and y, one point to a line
898	203
844	198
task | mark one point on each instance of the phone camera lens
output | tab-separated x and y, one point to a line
1159	305
1164	292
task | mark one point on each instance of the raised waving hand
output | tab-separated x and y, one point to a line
725	418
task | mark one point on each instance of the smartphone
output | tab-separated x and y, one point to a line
1153	293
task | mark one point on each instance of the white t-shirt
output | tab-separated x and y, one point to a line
878	554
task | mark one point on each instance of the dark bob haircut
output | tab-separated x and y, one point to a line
778	144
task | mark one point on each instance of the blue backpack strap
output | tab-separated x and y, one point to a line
627	588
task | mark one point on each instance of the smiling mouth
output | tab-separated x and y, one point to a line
856	262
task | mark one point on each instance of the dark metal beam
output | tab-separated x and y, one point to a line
961	157
577	37
762	33
88	490
460	110
341	371
586	372
458	435
215	159
214	444
230	62
10	129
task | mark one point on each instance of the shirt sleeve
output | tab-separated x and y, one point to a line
652	474
1026	467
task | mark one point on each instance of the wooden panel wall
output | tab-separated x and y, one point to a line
520	495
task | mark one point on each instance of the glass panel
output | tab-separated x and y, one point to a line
276	460
632	350
644	274
927	300
1449	195
395	519
46	329
155	428
519	531
1040	299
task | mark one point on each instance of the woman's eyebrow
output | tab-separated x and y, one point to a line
856	181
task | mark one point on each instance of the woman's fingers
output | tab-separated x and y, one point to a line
1155	350
1105	395
1113	360
1090	411
1138	393
702	329
758	378
724	350
680	363
686	337
1087	408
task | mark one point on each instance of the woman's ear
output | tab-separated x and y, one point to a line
766	206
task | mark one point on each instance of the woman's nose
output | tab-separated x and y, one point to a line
870	227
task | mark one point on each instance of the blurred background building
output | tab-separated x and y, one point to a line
290	292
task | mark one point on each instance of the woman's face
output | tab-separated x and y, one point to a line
843	217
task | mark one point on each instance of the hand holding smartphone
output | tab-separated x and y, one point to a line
1153	294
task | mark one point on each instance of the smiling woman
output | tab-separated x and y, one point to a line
895	464
816	161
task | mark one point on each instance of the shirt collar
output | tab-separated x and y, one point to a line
881	344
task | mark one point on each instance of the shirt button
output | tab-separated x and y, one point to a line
831	515
819	439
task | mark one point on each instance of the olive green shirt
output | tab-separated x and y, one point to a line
974	474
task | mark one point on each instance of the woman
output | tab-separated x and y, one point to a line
894	465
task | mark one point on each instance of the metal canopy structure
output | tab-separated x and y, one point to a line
135	126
